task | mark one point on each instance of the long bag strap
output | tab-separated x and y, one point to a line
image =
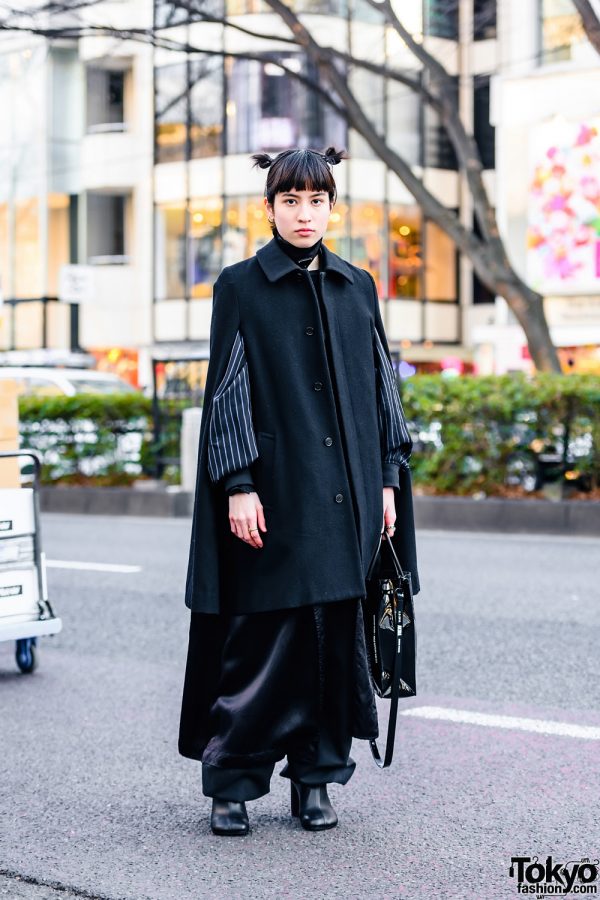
391	733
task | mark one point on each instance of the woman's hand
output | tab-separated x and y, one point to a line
245	514
389	512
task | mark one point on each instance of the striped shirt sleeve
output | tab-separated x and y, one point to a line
396	443
231	439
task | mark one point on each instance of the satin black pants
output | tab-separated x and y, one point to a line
285	688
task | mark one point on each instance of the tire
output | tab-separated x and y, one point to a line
26	656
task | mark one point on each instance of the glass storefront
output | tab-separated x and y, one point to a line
246	229
205	246
169	252
204	249
405	259
366	238
357	232
441	268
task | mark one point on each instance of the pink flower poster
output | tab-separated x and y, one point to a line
563	209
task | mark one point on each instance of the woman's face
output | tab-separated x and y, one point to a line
301	217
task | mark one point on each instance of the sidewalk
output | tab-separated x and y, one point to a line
572	517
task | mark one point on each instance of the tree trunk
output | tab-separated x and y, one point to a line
528	307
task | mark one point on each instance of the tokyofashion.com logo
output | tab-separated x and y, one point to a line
578	876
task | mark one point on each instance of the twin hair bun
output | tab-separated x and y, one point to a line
331	156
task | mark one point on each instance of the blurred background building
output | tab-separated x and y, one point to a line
132	162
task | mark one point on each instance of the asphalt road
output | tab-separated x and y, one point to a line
96	802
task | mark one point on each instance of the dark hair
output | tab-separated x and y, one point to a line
302	170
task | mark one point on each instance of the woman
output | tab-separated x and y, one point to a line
303	461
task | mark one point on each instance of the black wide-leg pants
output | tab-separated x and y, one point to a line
287	687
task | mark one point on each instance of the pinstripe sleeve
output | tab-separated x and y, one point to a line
231	440
396	443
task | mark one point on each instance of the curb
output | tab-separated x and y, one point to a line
116	501
572	517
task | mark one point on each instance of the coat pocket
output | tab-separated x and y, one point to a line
264	471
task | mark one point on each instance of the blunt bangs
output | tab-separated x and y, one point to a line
299	170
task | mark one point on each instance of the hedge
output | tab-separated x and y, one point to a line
103	438
468	430
487	421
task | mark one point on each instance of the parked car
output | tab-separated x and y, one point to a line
48	381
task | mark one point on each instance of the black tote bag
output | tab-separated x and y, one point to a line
389	622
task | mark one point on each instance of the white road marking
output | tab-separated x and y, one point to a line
469	717
514	537
90	566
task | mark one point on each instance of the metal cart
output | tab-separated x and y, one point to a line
25	611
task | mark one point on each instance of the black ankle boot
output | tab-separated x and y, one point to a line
313	806
229	817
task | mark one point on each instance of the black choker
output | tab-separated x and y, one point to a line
302	256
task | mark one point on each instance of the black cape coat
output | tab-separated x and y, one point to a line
319	545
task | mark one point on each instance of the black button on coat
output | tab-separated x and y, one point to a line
316	549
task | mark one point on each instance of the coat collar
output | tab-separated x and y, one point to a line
275	263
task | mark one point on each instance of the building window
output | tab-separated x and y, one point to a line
368	88
360	11
269	110
206	106
562	30
440	18
484	131
440	265
403	121
405	259
58	239
27	250
246	229
168	13
324	7
438	150
106	228
337	237
169	252
5	285
203	259
189	92
484	19
245	7
170	85
205	246
105	99
481	293
366	238
28	324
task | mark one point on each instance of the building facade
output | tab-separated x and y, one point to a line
134	162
